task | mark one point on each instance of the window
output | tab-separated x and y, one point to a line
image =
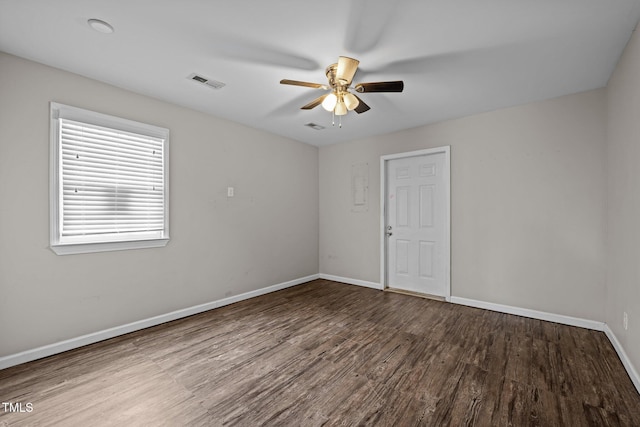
108	182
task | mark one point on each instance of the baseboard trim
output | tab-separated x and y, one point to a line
62	346
349	281
534	314
626	362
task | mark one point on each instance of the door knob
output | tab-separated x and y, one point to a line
388	233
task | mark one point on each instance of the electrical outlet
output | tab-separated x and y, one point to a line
230	192
625	321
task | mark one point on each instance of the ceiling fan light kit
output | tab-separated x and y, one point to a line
340	100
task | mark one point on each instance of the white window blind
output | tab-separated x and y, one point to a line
112	181
110	185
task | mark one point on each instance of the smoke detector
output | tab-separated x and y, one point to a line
100	26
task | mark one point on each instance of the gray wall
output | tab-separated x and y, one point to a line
527	203
220	247
623	202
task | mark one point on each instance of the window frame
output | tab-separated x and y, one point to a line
58	111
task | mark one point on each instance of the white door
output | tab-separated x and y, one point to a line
416	224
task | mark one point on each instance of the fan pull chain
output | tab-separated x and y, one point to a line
333	119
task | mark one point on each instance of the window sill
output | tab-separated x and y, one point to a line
85	248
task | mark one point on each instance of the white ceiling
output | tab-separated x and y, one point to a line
456	57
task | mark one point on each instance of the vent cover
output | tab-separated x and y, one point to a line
213	84
315	126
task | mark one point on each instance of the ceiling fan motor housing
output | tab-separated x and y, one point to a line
331	75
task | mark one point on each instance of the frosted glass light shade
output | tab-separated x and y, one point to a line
329	102
341	108
350	101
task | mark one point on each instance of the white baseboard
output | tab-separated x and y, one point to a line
534	314
631	370
59	347
349	281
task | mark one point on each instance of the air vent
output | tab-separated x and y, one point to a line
213	84
315	126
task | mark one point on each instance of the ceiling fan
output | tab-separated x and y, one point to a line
340	100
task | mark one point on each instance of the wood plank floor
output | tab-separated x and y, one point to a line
325	353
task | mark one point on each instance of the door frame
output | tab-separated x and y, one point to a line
446	150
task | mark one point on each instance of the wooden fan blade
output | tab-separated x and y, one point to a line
396	86
314	103
305	84
347	68
362	107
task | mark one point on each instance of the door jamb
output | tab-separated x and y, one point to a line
383	211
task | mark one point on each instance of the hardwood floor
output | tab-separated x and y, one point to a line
325	353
